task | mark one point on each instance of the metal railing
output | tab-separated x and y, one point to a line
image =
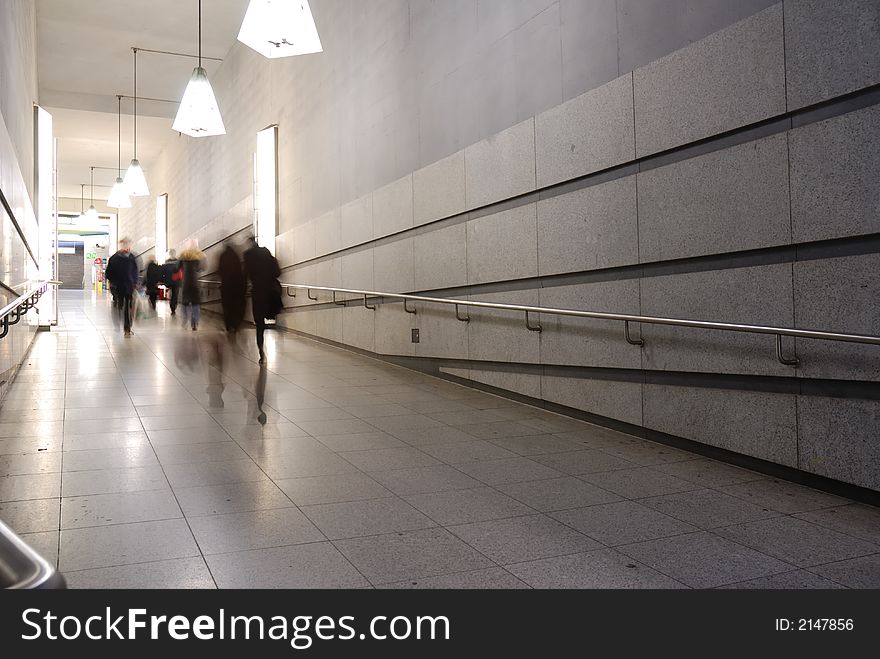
13	312
626	319
23	568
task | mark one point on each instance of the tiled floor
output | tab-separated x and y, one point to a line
141	462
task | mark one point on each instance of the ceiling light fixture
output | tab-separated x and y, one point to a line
198	115
92	213
119	195
135	181
280	28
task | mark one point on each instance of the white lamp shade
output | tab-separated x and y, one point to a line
280	28
198	115
119	196
92	214
135	181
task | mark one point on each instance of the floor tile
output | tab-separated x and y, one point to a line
188	436
259	529
109	481
370	517
178	573
536	445
361	442
31	516
709	473
602	568
519	539
208	452
423	480
558	494
638	483
389	458
213	473
316	565
797	541
466	506
509	470
783	496
337	488
492	578
795	580
411	556
317	414
577	463
621	523
29	444
646	454
110	413
704	560
118	508
854	519
498	430
375	411
336	427
141	455
123	544
304	465
861	572
708	509
420	437
88	426
105	441
461	452
30	486
23	464
231	498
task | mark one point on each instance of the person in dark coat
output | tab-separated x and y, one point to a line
152	279
263	271
191	261
170	270
122	273
232	287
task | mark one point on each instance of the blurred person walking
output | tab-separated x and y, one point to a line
263	271
171	277
191	261
122	274
152	279
232	287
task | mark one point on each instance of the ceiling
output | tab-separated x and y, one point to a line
84	60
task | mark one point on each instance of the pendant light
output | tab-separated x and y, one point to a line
92	213
119	195
198	115
280	28
135	181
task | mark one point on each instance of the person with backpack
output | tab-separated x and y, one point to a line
172	276
122	274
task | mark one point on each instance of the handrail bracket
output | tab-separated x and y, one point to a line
407	309
533	328
629	339
464	319
794	361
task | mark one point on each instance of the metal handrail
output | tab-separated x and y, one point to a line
13	312
779	332
23	568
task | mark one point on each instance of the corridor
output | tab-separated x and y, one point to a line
142	463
